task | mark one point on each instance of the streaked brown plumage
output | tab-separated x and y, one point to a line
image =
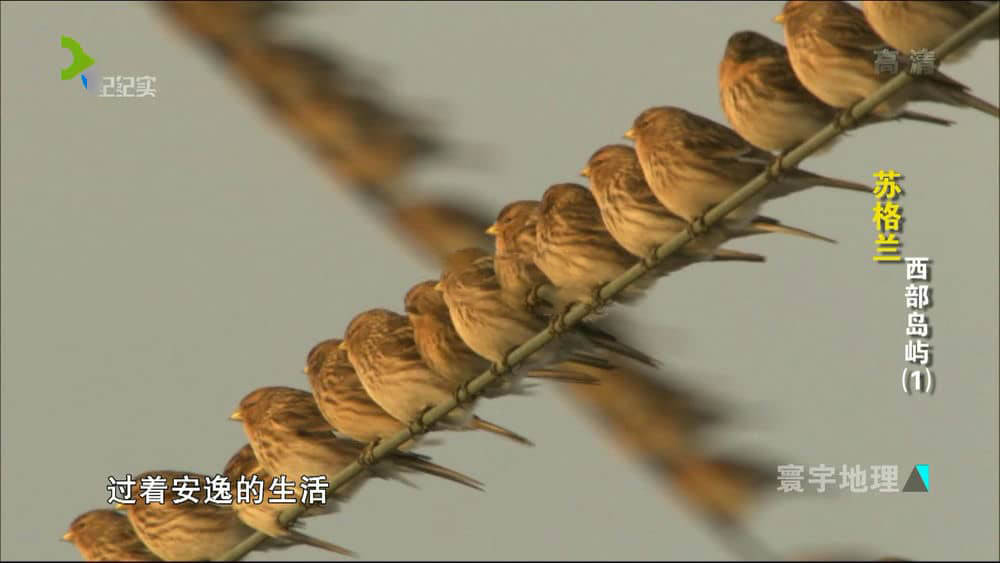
290	437
492	321
513	262
692	163
185	531
765	102
380	345
342	398
640	223
106	535
263	517
443	350
832	50
576	251
909	26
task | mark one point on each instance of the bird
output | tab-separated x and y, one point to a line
179	529
576	251
107	535
492	322
910	26
342	398
833	51
641	224
513	262
443	350
289	436
692	163
380	345
767	105
262	514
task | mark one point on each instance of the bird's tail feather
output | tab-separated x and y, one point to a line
418	463
763	225
299	537
727	255
481	424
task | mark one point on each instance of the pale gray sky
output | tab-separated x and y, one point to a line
162	257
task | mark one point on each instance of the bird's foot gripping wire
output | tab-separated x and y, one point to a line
697	227
417	426
462	392
367	458
596	301
533	299
845	119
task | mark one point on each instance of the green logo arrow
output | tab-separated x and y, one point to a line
81	60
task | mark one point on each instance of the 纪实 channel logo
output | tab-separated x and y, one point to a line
112	85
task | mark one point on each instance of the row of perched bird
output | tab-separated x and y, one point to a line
390	368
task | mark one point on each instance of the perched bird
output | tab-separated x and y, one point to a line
106	535
833	52
443	350
640	223
342	398
692	163
576	251
492	322
290	437
909	26
765	102
263	515
178	530
515	247
380	345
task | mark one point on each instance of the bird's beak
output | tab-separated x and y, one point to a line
342	345
492	230
438	287
630	134
305	370
237	415
68	536
780	18
120	506
585	171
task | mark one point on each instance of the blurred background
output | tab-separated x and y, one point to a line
161	257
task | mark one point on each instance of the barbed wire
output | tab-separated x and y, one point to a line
580	310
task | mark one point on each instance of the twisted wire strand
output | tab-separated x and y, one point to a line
580	310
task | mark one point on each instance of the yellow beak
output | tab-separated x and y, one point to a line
585	172
305	370
68	536
342	345
780	18
237	415
438	287
492	230
120	506
630	134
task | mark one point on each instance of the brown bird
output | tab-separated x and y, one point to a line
263	516
290	437
492	322
381	346
514	261
342	398
184	531
833	49
909	26
576	251
640	223
443	350
106	535
767	105
692	163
